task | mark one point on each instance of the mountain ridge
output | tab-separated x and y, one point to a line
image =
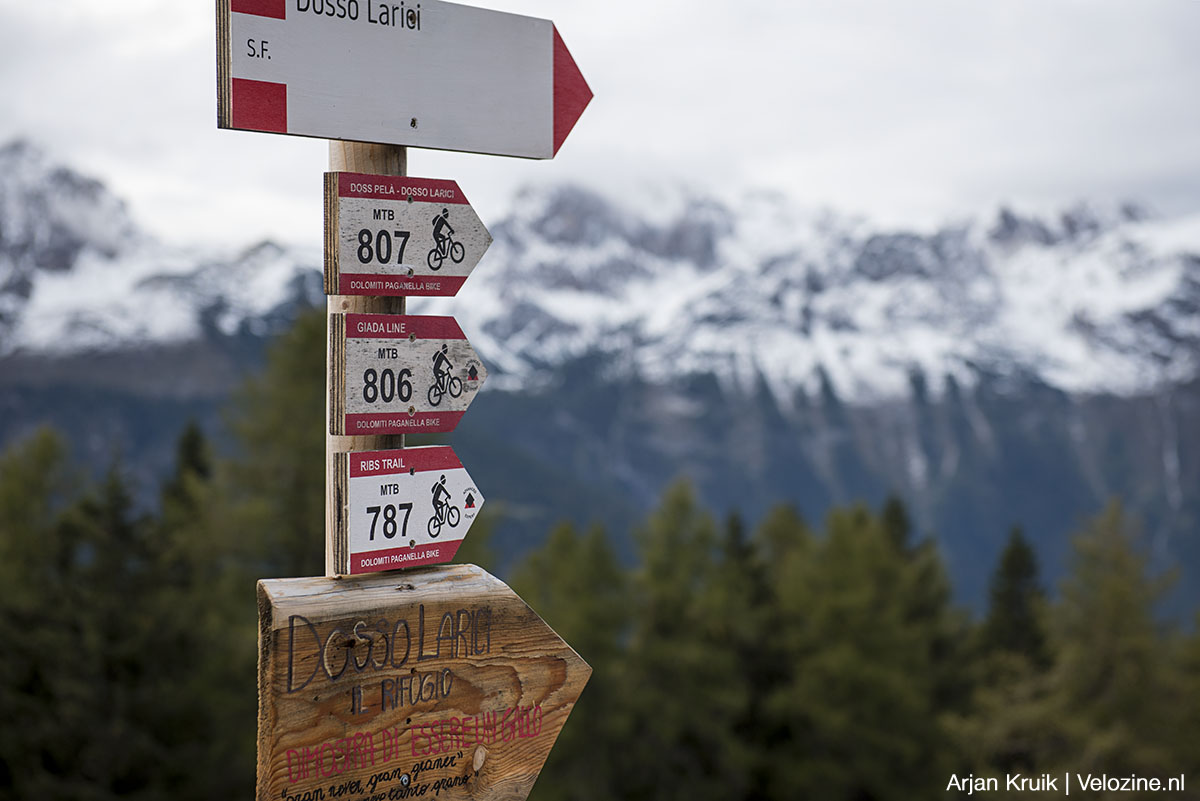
1010	370
1097	301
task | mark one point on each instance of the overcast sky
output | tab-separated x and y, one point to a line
908	112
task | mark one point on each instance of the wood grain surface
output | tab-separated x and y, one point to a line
436	682
224	96
382	160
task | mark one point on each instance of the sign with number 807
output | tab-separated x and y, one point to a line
377	248
387	235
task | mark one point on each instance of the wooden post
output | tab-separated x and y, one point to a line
375	160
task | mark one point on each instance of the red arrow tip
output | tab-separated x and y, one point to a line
571	92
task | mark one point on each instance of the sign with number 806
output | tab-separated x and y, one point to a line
387	385
399	374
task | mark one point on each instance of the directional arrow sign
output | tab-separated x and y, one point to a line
400	508
411	72
398	236
436	683
399	374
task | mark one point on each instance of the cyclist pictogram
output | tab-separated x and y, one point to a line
445	244
443	512
443	382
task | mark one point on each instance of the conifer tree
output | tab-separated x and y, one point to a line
1014	621
781	536
1007	728
684	694
1109	702
277	478
581	591
1113	674
1187	743
896	523
35	594
860	707
741	607
204	600
193	461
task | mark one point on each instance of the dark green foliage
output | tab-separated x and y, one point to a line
1113	673
782	661
896	523
684	690
1015	618
1111	694
121	662
862	622
276	482
477	548
576	582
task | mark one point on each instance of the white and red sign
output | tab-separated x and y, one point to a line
407	508
398	236
411	72
406	374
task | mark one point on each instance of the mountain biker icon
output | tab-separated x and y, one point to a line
445	244
443	512
443	382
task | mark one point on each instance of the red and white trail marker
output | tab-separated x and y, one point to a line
411	72
398	236
399	374
402	508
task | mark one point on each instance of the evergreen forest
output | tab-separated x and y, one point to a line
791	659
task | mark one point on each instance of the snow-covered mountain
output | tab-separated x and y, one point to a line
752	289
1096	301
78	276
1010	370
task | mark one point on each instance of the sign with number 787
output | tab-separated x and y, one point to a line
403	508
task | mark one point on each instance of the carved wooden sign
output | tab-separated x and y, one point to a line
400	508
399	374
439	682
398	236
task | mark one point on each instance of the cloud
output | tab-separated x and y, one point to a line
908	112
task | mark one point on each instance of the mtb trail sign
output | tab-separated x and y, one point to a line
399	374
423	73
401	508
398	236
439	682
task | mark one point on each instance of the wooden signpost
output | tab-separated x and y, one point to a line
423	73
400	508
397	374
438	683
398	236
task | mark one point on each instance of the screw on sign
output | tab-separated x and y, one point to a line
432	74
386	235
438	682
